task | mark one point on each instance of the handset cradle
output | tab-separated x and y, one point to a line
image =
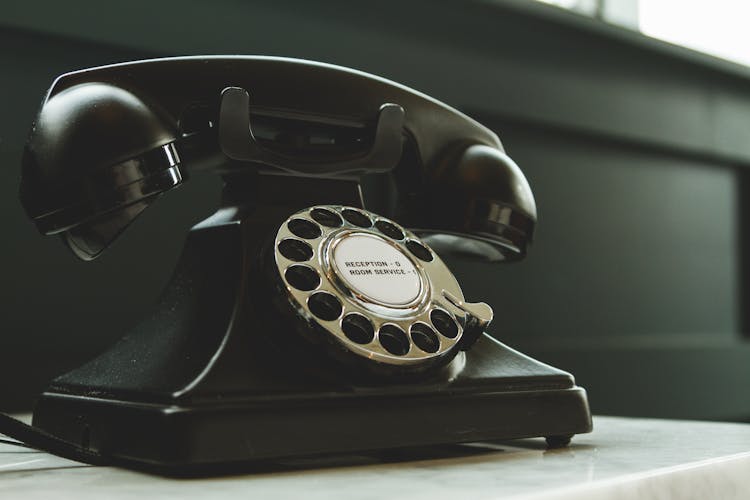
238	142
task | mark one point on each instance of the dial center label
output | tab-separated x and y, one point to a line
376	269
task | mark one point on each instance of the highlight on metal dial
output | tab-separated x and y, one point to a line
371	285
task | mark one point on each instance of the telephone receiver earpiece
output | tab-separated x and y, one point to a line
481	206
97	156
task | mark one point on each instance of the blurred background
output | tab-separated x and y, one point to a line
637	149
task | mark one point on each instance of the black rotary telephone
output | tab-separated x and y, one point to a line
298	322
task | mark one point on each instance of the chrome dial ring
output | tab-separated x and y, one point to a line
374	287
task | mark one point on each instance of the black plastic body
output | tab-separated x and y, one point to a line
217	374
213	377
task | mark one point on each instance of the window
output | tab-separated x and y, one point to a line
716	27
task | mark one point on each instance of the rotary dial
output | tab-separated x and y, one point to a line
373	286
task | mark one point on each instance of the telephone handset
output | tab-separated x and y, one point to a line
294	306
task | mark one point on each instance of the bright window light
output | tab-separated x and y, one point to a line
717	27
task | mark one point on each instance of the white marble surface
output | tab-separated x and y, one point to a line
622	459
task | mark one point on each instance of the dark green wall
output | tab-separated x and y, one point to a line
58	311
635	150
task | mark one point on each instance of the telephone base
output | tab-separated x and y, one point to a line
522	398
211	380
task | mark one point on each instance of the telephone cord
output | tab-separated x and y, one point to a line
35	438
